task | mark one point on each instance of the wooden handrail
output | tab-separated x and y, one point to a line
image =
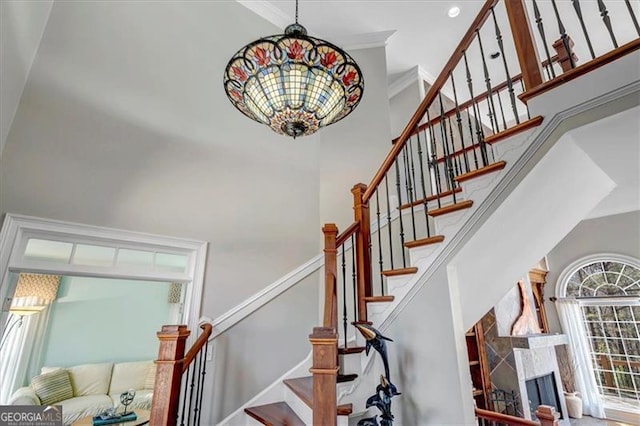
545	414
429	98
504	418
344	235
197	346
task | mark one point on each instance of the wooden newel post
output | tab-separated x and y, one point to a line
363	257
546	415
166	390
524	43
330	231
325	371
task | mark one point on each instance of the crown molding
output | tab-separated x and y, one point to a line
414	75
268	11
363	41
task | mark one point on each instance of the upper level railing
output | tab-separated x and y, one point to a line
179	384
479	97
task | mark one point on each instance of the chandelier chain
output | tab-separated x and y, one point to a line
296	11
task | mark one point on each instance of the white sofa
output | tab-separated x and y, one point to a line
89	389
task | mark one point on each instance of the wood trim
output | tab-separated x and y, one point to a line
504	418
525	125
363	256
351	350
425	241
197	346
396	272
451	208
431	198
379	299
429	97
330	318
581	70
498	165
524	43
344	235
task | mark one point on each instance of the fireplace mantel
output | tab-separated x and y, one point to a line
535	341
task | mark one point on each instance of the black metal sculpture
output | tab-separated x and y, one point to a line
376	340
385	390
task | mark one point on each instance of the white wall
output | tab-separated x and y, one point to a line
104	320
404	104
352	150
124	123
21	26
619	234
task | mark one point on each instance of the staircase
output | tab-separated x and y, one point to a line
448	171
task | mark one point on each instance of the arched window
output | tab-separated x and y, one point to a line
599	306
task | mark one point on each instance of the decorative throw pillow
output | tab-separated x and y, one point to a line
53	387
150	380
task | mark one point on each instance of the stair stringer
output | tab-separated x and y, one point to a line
522	152
273	393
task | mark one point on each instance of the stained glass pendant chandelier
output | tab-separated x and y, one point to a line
292	82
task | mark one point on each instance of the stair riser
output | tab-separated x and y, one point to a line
301	409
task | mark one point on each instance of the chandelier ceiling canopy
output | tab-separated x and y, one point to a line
292	82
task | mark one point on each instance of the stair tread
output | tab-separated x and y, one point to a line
424	241
275	414
378	299
303	388
402	271
525	125
351	350
343	378
451	208
431	198
498	165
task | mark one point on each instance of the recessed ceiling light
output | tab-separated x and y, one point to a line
453	12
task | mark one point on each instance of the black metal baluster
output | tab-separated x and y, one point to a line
526	105
400	221
191	387
409	184
434	161
424	188
504	122
607	23
512	95
345	318
204	372
578	9
476	113
353	277
487	79
473	150
454	153
380	262
459	121
199	386
540	26
386	187
447	155
633	16
563	34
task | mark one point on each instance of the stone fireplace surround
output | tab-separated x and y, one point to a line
515	359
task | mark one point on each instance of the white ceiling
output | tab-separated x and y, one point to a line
423	34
